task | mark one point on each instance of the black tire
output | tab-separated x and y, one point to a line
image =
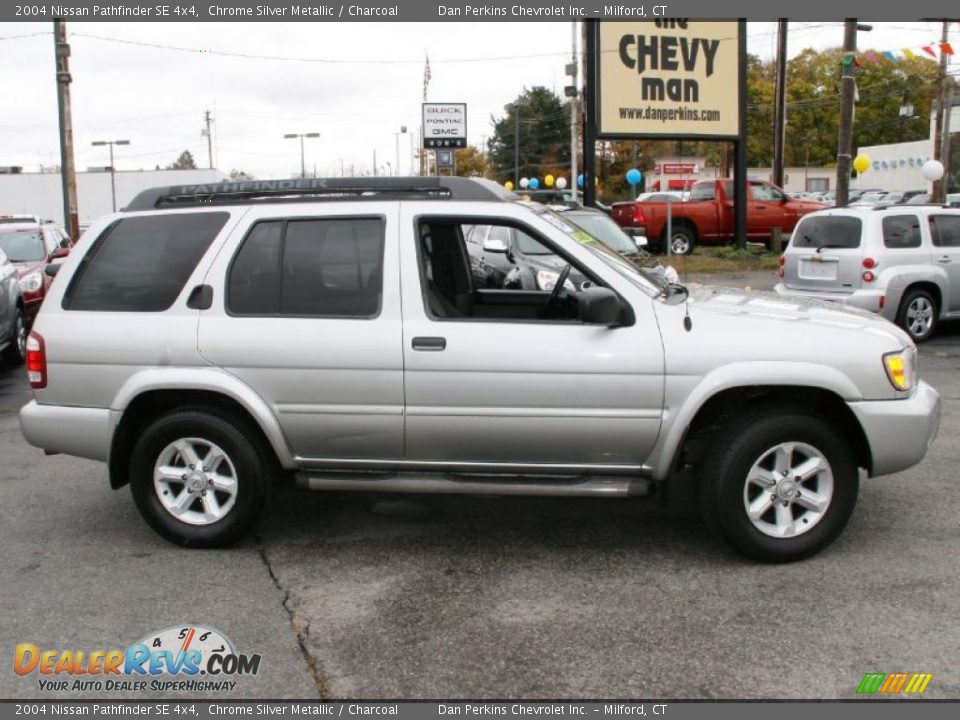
15	353
724	490
914	304
254	464
682	241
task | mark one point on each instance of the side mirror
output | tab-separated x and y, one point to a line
64	243
60	252
599	306
494	246
641	241
52	270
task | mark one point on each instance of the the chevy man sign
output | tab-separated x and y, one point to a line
668	78
444	125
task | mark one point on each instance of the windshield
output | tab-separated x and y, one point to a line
603	229
647	282
22	246
835	231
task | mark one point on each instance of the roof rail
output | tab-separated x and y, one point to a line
314	189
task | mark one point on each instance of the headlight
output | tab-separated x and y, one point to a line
547	281
31	282
901	368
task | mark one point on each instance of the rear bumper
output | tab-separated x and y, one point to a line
865	299
84	432
899	432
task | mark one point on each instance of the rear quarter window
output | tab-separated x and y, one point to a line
140	264
827	231
901	231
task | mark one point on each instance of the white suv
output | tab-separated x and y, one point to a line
900	261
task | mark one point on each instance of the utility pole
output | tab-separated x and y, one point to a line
938	194
68	173
113	182
207	119
516	145
847	89
780	108
374	162
572	72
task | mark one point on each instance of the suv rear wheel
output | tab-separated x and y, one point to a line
778	486
682	240
201	479
918	315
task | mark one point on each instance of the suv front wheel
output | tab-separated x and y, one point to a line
201	479
778	486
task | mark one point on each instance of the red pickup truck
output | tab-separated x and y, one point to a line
707	215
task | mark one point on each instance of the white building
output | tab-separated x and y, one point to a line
41	193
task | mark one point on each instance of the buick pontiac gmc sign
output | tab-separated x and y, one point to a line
444	125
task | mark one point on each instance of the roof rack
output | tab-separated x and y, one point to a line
314	189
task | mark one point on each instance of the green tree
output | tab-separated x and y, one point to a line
184	162
544	136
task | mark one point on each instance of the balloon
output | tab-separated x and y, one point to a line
634	176
548	181
524	182
580	180
561	183
861	163
534	184
508	185
932	170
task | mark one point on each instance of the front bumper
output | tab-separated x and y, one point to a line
865	299
899	432
80	431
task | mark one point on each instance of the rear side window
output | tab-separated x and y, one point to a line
140	264
945	230
702	191
316	268
827	231
901	231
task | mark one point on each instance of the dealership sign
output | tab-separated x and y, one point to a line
669	78
444	125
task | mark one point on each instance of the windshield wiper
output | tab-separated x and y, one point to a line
828	245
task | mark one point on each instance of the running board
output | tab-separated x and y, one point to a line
478	484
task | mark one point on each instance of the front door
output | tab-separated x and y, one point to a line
945	232
495	378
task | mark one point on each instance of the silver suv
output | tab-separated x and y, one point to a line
211	340
902	262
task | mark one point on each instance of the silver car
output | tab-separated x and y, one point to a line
902	262
13	323
213	339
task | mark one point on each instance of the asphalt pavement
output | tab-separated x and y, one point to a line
363	596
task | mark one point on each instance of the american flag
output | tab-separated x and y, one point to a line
426	77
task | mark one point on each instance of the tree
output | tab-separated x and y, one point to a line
240	175
184	162
544	136
471	162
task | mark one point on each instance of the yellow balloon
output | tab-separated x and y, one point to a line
548	180
508	185
861	163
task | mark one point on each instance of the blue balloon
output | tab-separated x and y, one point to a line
634	176
580	181
534	184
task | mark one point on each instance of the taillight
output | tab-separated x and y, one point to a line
638	217
869	263
783	260
36	361
782	271
868	276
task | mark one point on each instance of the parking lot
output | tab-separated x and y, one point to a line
350	595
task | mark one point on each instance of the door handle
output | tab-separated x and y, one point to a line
760	207
945	259
429	344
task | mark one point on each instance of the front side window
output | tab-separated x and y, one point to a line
768	193
901	231
329	267
140	264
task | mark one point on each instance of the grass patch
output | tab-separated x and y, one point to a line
725	258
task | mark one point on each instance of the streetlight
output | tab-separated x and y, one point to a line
113	182
292	136
396	140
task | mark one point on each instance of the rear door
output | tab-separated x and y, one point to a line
307	313
766	210
945	233
825	254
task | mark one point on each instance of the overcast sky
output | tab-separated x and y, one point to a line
146	90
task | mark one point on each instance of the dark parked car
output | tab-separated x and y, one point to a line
13	324
31	247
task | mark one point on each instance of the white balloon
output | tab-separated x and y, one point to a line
561	183
524	182
932	170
